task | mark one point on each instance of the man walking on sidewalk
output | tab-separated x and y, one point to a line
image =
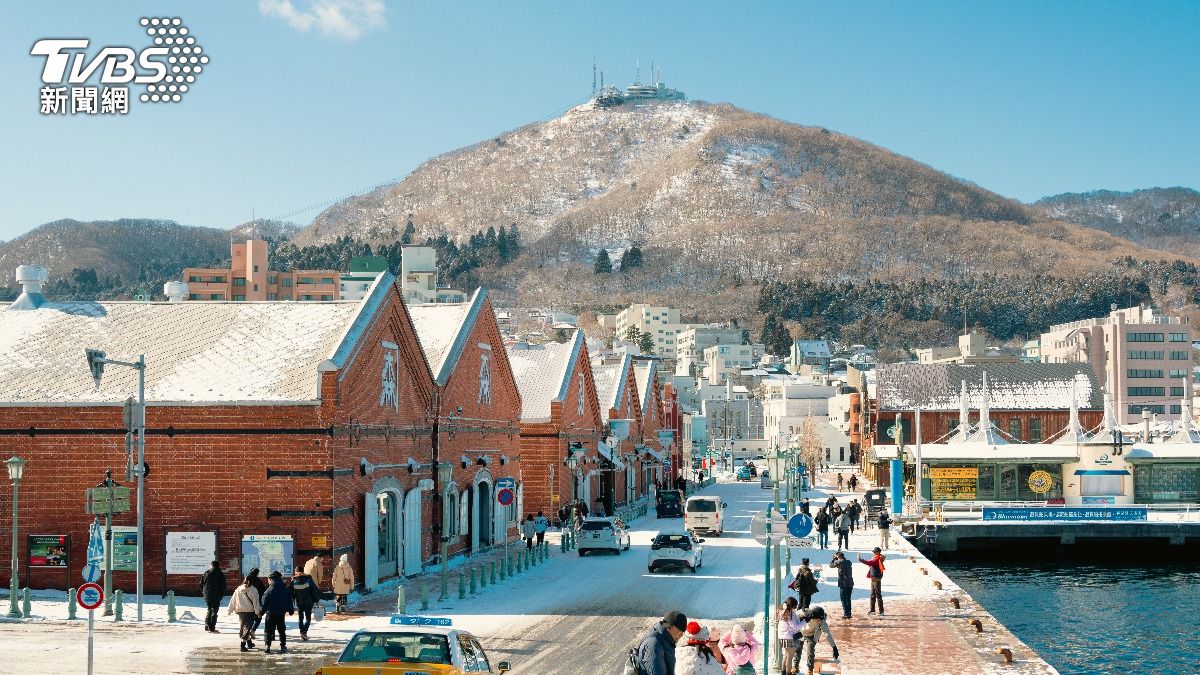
845	572
885	527
875	574
540	525
212	587
842	525
277	602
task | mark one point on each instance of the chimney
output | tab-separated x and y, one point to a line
176	291
1145	425
31	278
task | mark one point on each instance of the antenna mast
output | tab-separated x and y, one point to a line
637	71
593	76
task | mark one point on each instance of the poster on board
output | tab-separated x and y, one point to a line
190	552
49	550
268	552
124	555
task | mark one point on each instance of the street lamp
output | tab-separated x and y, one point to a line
445	473
572	463
16	468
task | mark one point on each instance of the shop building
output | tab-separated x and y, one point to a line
620	409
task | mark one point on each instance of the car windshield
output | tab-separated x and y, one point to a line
397	648
702	505
596	525
673	540
669	496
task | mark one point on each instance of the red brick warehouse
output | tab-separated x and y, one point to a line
559	415
261	418
620	408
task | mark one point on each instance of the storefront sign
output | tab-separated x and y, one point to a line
49	550
320	541
268	552
954	472
190	552
1064	513
1099	500
947	489
1041	482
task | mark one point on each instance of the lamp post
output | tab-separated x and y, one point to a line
16	468
444	474
572	463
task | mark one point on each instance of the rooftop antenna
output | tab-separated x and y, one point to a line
637	71
593	76
653	72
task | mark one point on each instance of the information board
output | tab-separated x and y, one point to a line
124	553
190	552
268	552
948	489
1070	513
49	550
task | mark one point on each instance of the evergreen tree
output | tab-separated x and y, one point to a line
632	257
502	246
514	241
409	231
603	265
646	343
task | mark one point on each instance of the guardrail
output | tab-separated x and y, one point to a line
972	509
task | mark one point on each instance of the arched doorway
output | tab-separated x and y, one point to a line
412	532
382	519
483	502
388	529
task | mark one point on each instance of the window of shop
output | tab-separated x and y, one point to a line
1167	483
985	485
1035	430
1014	428
1101	486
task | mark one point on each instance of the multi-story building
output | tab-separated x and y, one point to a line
250	278
809	352
971	348
661	322
1144	359
692	341
353	285
721	361
787	403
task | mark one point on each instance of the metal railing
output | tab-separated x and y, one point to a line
974	509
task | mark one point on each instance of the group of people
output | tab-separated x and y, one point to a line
256	600
677	646
534	528
844	521
852	483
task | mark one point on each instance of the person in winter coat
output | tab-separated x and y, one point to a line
804	506
830	503
790	625
315	568
277	602
875	574
854	511
885	528
740	650
693	656
814	626
305	594
540	525
842	524
805	584
343	581
245	603
822	521
212	587
527	530
853	482
259	585
656	653
845	572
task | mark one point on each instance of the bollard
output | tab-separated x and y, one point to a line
424	597
562	542
25	603
171	607
118	606
503	568
545	549
937	585
1005	653
508	562
72	603
462	587
528	558
492	572
483	581
978	626
955	604
474	583
401	601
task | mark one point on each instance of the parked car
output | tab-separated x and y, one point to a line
743	473
603	534
765	481
705	514
410	648
669	504
675	548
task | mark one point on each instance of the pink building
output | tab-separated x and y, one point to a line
251	278
1143	358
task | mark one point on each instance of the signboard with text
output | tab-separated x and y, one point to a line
268	552
124	553
1068	513
947	483
190	552
49	550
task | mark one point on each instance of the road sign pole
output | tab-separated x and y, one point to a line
767	594
91	636
141	498
108	481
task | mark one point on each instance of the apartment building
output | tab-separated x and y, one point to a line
691	341
1142	357
661	322
250	278
364	270
722	361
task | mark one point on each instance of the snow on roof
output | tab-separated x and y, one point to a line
813	348
543	374
1163	451
195	351
442	329
610	382
1012	386
642	372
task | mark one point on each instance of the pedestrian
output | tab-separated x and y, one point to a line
245	604
212	587
343	582
693	656
790	625
315	568
842	524
804	506
845	582
259	585
805	584
854	510
680	483
656	652
562	518
875	574
277	602
306	595
840	481
540	525
830	503
822	521
578	520
885	528
853	482
740	650
527	530
815	626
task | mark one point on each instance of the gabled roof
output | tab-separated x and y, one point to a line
610	384
443	329
643	372
813	348
543	374
196	352
1012	386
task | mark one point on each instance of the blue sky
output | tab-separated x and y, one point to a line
302	103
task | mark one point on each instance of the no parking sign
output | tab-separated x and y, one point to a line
506	491
90	596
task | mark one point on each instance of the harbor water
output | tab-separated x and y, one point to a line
1094	616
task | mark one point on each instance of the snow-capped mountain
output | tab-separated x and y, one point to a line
1162	218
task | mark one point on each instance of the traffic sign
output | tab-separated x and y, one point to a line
99	504
90	596
758	528
505	496
800	525
91	573
805	542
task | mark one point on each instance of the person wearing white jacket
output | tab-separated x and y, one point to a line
693	656
245	603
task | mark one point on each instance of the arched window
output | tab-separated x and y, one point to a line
450	511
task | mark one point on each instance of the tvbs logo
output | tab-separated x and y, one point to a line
167	69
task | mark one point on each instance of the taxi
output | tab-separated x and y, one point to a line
413	645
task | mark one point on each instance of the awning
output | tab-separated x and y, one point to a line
607	453
1102	472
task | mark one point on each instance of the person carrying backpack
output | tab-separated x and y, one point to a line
875	574
740	649
842	524
805	584
655	655
815	626
822	521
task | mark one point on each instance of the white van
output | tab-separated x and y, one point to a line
705	514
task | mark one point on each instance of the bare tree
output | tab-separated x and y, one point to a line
811	446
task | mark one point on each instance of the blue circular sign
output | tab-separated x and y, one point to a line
800	525
505	496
